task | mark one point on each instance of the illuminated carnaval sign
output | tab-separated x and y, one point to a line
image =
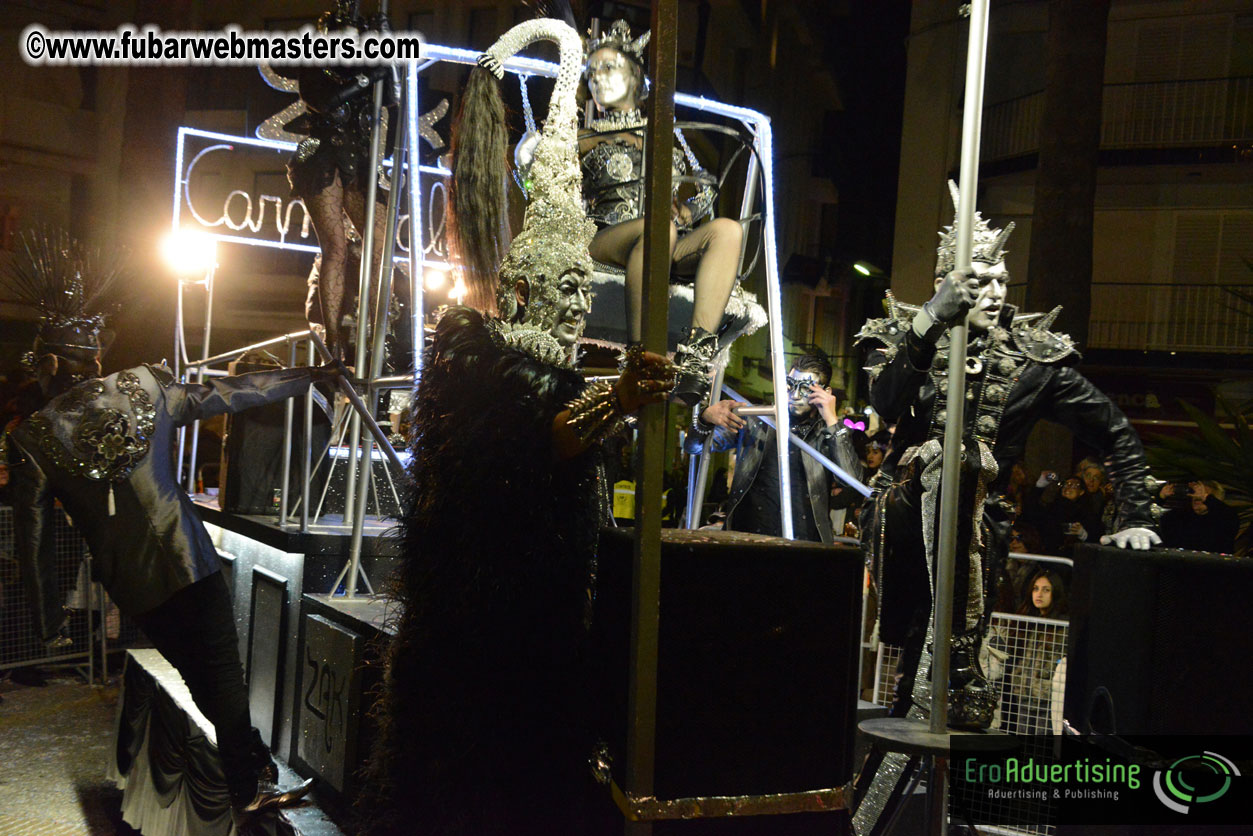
235	189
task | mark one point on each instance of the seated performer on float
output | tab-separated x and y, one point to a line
612	152
486	719
1017	372
330	171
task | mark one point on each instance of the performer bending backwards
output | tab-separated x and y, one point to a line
330	171
1017	372
613	188
102	447
485	723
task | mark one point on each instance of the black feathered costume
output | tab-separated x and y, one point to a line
486	727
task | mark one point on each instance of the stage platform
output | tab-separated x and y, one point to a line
293	631
166	762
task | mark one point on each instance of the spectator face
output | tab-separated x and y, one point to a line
874	456
1093	478
1016	544
1072	488
1042	595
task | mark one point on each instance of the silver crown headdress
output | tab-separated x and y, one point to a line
555	229
619	37
987	244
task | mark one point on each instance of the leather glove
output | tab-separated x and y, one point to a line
953	299
1140	539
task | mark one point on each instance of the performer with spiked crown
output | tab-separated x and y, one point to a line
485	725
102	448
1017	372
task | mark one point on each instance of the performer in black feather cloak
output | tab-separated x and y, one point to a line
485	725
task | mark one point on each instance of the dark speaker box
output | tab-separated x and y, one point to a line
252	452
1159	643
757	667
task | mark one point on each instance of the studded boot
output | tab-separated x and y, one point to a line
695	359
971	697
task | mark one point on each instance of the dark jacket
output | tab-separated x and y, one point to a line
756	440
1027	373
105	449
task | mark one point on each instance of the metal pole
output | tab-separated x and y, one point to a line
289	412
698	475
306	458
646	574
950	473
698	466
774	300
417	244
379	324
363	289
204	355
179	347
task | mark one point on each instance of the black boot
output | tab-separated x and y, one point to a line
695	359
971	697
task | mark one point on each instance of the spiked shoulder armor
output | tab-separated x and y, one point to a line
1031	336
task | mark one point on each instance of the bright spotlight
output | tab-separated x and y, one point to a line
190	253
434	279
458	290
861	268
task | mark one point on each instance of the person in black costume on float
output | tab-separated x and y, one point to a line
486	717
103	448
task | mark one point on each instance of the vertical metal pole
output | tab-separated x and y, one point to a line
179	346
307	456
698	474
379	324
774	300
204	355
289	411
646	575
417	244
950	472
363	293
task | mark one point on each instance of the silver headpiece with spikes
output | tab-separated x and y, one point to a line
619	37
987	244
555	230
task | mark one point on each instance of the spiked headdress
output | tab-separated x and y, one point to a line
67	283
987	244
555	230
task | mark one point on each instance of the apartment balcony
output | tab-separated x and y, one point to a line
1164	114
1214	318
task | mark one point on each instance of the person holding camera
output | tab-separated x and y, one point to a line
1197	518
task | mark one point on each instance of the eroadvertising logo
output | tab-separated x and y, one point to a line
1094	780
1174	790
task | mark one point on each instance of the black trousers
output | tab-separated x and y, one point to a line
195	632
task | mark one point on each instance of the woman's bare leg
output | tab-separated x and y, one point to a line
717	246
623	244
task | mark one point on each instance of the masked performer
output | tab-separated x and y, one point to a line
331	172
613	189
1017	372
485	723
102	447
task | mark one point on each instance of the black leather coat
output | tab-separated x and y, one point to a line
756	440
1026	373
105	449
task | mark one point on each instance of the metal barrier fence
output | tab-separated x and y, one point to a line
1025	660
93	620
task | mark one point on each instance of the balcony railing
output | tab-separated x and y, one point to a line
1168	317
1159	114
